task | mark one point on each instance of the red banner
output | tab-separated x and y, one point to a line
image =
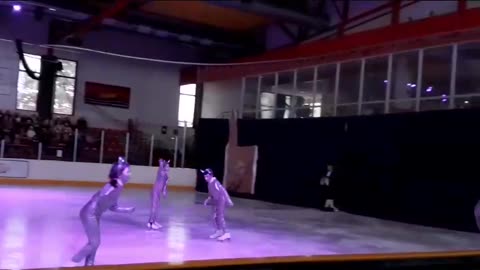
107	95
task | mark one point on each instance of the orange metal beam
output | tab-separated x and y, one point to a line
408	36
95	21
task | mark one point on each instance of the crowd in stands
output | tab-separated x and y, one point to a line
22	133
16	128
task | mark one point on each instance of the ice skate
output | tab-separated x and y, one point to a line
78	258
216	235
154	225
223	237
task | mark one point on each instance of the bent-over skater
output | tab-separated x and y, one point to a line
219	199
159	189
103	200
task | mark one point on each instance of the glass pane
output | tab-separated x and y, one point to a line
326	111
89	143
325	85
347	110
468	81
349	82
436	72
69	69
375	80
268	97
27	90
33	61
286	79
250	97
188	89
64	96
268	81
467	102
114	145
374	108
402	106
267	113
268	102
434	105
186	109
305	97
404	75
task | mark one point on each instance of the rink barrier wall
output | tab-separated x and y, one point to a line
61	173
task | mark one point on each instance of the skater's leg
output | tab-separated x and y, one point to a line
91	226
154	206
220	221
220	217
218	232
155	203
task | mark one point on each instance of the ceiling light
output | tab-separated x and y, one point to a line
17	8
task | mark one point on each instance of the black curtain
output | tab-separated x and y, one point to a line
417	168
211	137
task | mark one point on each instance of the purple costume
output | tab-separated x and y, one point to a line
219	199
103	200
159	188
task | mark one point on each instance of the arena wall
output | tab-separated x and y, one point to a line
38	172
154	86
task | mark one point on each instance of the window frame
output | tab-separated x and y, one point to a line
75	79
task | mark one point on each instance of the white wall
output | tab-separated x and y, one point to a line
220	97
154	87
94	172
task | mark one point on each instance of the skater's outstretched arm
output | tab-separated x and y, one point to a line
164	189
118	209
207	200
226	196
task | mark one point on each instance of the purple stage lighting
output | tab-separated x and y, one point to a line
17	8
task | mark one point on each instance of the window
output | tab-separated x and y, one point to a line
186	106
27	88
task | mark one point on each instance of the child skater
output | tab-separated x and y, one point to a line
105	199
327	191
159	189
218	197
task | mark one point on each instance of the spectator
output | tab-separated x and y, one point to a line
31	134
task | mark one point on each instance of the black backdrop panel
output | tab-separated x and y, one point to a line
211	138
418	168
291	155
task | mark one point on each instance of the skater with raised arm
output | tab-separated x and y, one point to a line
103	200
159	189
219	199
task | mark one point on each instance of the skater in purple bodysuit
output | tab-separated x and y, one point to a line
159	189
103	200
219	199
